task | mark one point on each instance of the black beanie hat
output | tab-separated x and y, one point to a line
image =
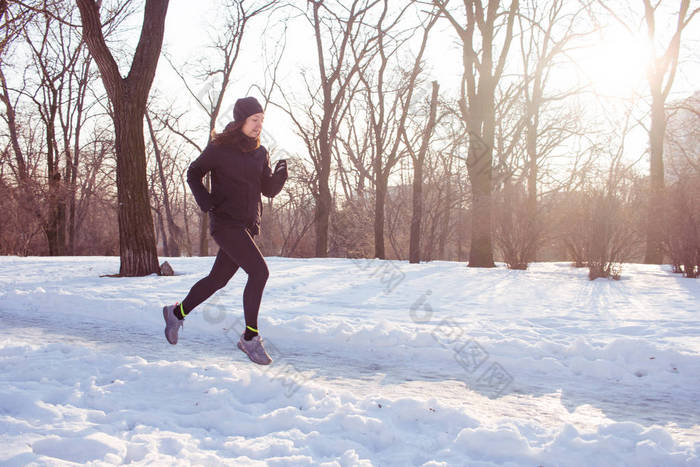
245	107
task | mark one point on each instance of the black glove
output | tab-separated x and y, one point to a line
281	168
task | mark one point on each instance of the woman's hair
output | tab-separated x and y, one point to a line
233	137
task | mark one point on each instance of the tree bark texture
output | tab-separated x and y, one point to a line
137	246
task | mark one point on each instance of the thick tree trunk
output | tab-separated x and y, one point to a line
480	169
655	230
128	97
477	108
137	243
480	253
480	174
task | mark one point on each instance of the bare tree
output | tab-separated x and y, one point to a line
660	77
128	97
418	158
72	117
443	192
61	66
481	74
335	26
56	81
547	32
47	104
388	101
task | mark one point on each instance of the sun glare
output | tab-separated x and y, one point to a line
617	65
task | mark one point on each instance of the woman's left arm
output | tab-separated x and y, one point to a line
272	182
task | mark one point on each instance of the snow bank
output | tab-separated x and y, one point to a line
376	363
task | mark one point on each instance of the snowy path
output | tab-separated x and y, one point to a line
376	363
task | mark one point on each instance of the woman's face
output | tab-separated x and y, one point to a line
253	125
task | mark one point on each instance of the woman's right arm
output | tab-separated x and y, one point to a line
196	172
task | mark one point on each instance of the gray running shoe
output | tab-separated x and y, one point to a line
172	323
254	350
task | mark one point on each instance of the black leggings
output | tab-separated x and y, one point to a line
236	248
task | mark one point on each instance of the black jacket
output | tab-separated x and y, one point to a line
237	181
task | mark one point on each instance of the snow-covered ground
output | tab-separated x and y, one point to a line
376	363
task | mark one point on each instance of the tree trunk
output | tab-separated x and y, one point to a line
414	254
188	239
417	216
445	220
654	249
531	138
69	179
128	96
71	217
55	223
61	221
477	109
323	211
72	181
335	77
137	243
481	251
164	234
429	246
379	200
480	169
460	236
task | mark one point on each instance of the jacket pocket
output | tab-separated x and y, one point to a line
217	200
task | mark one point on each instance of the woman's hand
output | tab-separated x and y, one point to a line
281	168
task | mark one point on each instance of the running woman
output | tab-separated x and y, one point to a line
240	174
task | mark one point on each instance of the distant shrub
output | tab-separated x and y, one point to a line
610	238
518	230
